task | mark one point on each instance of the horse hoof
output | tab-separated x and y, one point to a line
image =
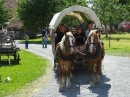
92	84
60	90
97	81
69	86
71	76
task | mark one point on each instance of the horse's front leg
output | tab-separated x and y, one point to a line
98	69
61	74
69	75
92	75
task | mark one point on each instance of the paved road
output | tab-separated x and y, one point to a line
114	80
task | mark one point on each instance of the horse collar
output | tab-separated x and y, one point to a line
60	54
96	54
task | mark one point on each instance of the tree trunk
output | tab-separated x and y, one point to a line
110	28
106	31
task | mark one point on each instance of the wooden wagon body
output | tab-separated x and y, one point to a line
8	48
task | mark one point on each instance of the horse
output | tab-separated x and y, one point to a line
65	59
94	56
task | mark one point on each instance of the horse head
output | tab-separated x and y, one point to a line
68	42
93	42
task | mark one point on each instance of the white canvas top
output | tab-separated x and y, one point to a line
89	13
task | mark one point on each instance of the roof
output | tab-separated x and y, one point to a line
15	24
74	11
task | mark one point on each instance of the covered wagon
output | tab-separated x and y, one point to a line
76	11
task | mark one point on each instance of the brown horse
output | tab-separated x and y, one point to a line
65	58
94	55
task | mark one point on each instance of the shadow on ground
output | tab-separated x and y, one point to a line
80	85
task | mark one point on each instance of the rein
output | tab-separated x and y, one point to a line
97	52
81	49
87	54
67	47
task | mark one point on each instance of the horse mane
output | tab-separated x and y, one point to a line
63	39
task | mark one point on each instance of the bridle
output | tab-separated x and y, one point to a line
68	48
60	52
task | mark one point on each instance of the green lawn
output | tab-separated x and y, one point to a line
121	47
36	41
32	66
29	69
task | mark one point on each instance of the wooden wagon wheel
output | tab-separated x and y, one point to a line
14	56
18	57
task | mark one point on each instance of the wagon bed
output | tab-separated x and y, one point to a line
8	48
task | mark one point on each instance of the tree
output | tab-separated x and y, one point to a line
32	13
110	12
123	2
38	13
4	13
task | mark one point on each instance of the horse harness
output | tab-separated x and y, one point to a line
87	55
98	47
59	53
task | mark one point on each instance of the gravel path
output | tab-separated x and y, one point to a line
114	80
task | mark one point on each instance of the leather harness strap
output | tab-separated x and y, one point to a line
59	53
96	54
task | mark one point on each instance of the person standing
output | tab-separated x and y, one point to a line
26	37
44	39
47	33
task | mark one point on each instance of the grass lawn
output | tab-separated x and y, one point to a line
32	66
119	48
36	41
29	69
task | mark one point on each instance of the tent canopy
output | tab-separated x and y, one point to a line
74	11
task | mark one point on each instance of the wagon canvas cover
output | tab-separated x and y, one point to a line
72	11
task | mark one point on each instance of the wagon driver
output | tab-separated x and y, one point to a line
60	34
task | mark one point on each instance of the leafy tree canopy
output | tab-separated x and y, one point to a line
110	12
4	13
38	13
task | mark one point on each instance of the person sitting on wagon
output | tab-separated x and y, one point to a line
88	29
60	34
79	37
